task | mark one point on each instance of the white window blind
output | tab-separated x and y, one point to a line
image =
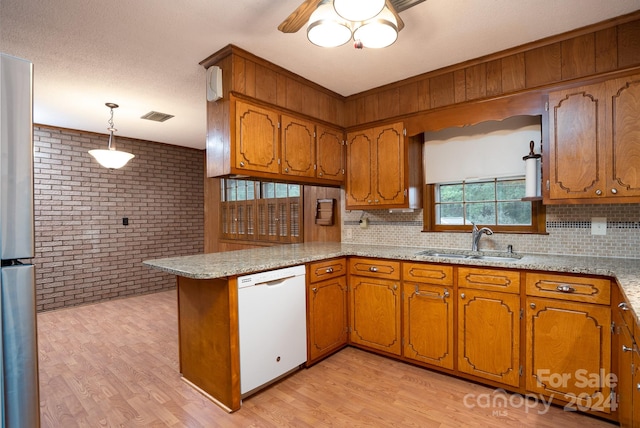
486	150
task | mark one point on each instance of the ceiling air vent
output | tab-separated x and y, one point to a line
400	5
157	116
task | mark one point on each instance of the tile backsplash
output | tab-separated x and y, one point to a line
568	232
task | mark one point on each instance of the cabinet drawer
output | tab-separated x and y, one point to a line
489	279
375	268
327	269
567	287
427	273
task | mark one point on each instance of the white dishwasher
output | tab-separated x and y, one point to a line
272	325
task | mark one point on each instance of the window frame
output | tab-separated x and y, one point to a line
261	228
538	217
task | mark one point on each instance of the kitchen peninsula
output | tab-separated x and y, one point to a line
207	300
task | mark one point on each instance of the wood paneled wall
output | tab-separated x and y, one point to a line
605	47
255	77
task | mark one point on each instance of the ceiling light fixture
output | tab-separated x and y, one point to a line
111	158
375	27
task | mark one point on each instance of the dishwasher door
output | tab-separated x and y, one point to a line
272	325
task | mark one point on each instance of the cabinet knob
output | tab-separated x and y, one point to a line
565	288
638	386
377	201
623	306
286	170
446	293
373	269
315	290
627	348
241	163
532	305
598	192
395	286
614	190
462	296
329	270
320	174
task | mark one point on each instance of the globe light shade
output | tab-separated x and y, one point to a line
358	10
326	29
379	32
110	158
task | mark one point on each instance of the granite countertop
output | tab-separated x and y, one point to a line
231	263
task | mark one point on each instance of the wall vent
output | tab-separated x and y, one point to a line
156	116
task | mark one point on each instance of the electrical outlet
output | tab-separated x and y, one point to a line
348	234
598	225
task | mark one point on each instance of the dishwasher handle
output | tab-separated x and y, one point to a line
275	282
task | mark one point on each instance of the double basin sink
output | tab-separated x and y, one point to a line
470	255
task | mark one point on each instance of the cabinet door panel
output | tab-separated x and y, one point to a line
489	335
327	316
329	154
624	159
428	327
568	345
359	190
257	139
390	155
375	314
577	139
298	147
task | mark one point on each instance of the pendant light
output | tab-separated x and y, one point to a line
358	10
111	158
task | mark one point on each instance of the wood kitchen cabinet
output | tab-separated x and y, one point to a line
489	324
428	320
375	304
568	339
627	358
383	169
269	143
327	308
593	143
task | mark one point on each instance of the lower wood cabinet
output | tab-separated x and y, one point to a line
375	314
327	308
428	320
489	335
568	352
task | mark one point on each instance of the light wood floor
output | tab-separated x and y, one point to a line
115	364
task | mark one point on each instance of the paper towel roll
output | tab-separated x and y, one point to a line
531	177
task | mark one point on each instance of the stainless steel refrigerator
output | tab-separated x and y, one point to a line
19	396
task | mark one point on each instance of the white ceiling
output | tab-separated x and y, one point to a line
144	54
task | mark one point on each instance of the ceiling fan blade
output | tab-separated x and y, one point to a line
299	17
393	10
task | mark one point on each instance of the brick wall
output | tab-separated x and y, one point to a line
84	253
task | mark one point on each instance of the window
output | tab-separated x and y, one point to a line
494	202
260	211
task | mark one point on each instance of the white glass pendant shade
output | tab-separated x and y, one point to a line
111	158
326	29
358	10
379	32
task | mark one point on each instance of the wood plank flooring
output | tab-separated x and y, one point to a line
115	364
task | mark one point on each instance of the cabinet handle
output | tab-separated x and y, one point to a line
377	201
446	293
373	269
565	289
432	296
395	286
286	170
462	296
638	386
329	270
626	348
532	305
241	163
623	306
320	174
315	290
598	192
614	190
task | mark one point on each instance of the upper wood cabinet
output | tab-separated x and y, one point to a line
594	155
383	169
265	142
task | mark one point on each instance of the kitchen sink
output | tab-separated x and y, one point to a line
499	257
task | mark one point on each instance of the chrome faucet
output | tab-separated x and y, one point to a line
476	234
